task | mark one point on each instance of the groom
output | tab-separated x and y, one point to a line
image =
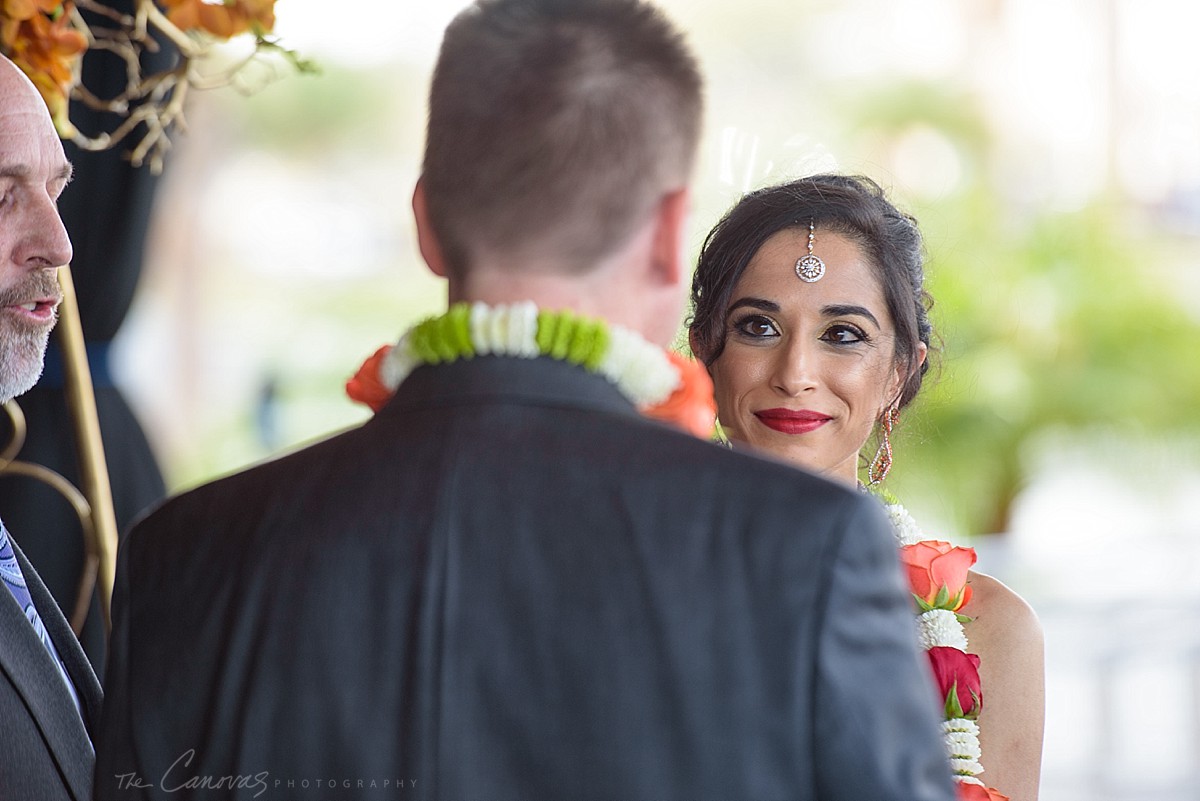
509	584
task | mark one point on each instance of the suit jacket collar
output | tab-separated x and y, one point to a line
31	669
542	381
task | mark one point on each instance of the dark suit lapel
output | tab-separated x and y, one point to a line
31	669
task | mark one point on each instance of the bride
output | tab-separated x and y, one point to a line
810	314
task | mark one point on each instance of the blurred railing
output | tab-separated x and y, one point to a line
1122	700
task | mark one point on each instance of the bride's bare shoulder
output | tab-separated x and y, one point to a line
1004	631
997	612
994	605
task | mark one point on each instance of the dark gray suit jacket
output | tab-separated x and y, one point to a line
509	585
45	750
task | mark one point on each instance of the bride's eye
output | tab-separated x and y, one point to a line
843	334
755	326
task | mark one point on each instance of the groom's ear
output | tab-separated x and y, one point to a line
427	241
672	214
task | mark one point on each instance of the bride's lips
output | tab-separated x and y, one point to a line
792	421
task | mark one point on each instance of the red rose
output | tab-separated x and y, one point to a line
975	792
937	573
691	406
957	677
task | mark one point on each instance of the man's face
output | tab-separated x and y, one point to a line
33	242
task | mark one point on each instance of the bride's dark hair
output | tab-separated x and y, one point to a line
855	207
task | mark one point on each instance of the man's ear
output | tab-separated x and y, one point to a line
672	214
427	241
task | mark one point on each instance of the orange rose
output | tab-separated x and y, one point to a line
937	573
974	792
691	406
365	386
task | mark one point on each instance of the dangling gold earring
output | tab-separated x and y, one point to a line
882	462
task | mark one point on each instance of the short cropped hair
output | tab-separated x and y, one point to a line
555	126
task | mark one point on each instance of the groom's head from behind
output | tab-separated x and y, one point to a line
561	139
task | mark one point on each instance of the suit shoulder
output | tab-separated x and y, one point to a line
728	483
231	492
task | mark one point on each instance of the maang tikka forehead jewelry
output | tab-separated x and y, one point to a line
810	268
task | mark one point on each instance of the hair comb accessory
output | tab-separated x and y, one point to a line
810	268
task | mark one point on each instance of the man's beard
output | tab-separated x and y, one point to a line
21	358
23	343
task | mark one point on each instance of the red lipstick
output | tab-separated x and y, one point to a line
792	421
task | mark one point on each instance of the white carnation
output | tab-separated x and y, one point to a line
940	627
496	330
522	330
960	724
399	362
504	330
963	745
903	526
968	780
966	767
480	322
642	370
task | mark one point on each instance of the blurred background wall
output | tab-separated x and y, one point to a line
1051	151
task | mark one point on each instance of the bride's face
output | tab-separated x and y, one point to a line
807	369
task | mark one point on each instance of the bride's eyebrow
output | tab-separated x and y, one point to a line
753	303
846	310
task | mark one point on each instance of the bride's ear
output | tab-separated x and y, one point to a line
696	352
427	241
900	378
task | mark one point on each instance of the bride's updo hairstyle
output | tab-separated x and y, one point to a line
853	206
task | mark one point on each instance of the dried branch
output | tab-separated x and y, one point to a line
152	105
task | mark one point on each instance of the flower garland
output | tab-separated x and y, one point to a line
937	575
663	385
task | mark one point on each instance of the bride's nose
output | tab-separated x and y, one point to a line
794	370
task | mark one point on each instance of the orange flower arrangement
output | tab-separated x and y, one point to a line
47	39
223	20
40	38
